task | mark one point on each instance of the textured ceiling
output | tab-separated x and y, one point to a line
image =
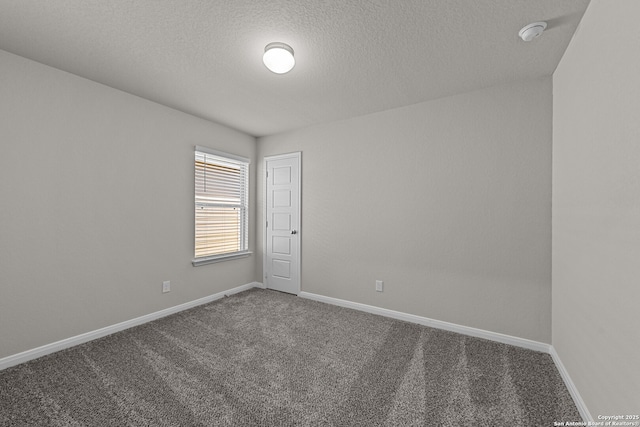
353	57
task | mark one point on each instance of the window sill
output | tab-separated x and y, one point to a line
219	258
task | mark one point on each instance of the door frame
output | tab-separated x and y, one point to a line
298	156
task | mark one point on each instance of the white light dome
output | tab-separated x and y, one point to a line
278	57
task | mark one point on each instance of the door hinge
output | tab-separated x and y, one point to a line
267	224
267	174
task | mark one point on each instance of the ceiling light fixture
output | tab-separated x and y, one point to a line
278	57
531	31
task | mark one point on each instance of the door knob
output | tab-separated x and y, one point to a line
294	231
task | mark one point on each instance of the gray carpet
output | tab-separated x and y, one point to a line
269	359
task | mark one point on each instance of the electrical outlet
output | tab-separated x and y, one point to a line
166	286
379	285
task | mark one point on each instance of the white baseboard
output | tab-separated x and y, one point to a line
466	330
577	399
25	356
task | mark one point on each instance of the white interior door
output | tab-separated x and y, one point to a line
282	237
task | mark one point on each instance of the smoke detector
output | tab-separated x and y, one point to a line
531	31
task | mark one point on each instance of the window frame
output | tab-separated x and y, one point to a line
244	222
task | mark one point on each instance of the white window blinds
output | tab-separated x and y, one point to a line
221	203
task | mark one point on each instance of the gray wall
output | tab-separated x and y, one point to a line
96	206
596	208
448	202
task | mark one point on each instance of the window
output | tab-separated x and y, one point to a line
221	206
